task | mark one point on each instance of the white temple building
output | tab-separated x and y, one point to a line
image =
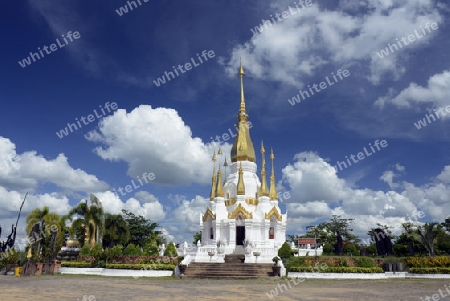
243	216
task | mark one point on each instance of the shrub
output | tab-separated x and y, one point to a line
132	250
10	256
423	262
400	250
76	264
156	267
285	251
365	262
328	249
351	249
113	252
340	269
342	263
372	250
151	249
97	252
429	270
85	251
170	250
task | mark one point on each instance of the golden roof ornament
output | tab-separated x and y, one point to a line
264	191
273	190
240	185
242	148
219	189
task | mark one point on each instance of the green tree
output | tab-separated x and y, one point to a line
426	234
171	250
197	237
116	231
142	230
45	240
285	251
90	224
326	231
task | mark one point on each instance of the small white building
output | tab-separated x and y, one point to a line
243	216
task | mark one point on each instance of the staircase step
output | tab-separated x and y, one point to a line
228	270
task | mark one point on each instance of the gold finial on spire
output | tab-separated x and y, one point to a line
273	190
242	113
264	191
242	146
220	151
213	186
219	189
240	185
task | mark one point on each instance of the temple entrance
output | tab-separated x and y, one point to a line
240	235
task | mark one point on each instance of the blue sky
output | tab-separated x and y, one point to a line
167	130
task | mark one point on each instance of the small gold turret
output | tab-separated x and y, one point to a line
213	186
273	190
263	191
219	189
242	148
240	185
225	164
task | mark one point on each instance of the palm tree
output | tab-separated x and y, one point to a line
45	222
116	231
426	234
90	225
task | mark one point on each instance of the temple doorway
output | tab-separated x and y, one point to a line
240	235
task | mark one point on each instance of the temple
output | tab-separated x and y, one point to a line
243	216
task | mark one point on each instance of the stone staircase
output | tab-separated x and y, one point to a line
234	267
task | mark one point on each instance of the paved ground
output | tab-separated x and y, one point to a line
111	288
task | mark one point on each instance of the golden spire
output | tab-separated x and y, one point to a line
264	191
225	164
213	186
219	189
220	151
242	146
273	190
240	185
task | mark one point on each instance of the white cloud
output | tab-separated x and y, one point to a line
318	193
295	48
24	172
437	93
143	203
155	140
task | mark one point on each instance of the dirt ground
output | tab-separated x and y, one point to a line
112	288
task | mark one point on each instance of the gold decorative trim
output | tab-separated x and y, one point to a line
275	212
230	202
208	213
252	201
240	209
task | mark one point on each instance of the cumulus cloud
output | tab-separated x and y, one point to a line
23	172
300	45
155	140
317	193
143	203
